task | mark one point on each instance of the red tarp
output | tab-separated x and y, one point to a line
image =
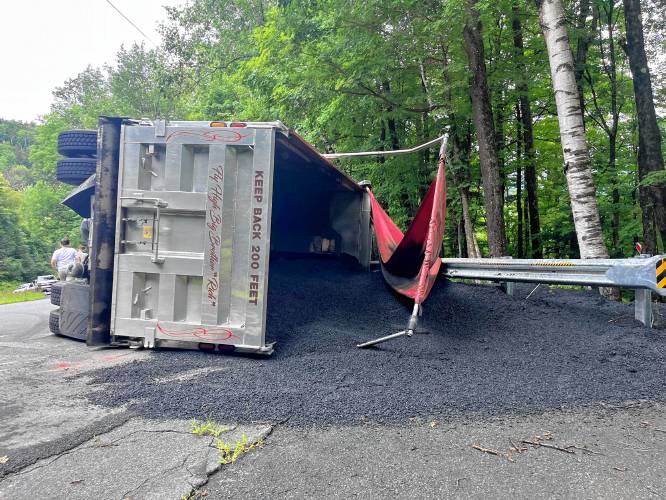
410	262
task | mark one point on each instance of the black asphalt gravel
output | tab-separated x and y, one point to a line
484	352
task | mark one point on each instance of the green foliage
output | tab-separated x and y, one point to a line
15	140
32	220
654	179
19	256
355	76
44	218
7	297
229	451
208	428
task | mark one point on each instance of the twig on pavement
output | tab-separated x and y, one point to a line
546	445
517	447
490	451
583	449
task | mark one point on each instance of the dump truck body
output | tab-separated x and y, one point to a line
200	208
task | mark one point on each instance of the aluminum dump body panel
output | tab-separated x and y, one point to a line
193	237
195	214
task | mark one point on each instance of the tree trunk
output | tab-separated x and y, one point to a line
460	157
527	137
526	218
611	130
519	186
498	122
483	121
616	251
574	146
585	37
577	166
473	250
382	140
460	236
390	119
650	158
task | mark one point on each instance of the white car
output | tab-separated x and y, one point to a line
44	282
25	287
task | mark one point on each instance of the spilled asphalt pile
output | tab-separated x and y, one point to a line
482	351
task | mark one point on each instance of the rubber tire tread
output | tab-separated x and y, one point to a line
78	143
56	289
54	322
75	170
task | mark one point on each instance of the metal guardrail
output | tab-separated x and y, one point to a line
639	272
645	274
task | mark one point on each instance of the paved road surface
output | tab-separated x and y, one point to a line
59	445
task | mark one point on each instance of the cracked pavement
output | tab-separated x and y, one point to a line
615	452
139	459
59	444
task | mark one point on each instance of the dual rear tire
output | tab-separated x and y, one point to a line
54	322
79	147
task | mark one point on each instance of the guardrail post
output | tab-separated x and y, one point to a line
643	306
508	287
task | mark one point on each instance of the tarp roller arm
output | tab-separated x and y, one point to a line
395	152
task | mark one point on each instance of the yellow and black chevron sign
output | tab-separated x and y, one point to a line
661	273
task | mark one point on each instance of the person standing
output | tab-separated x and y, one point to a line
82	254
62	258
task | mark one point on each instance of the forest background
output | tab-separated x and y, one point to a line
388	74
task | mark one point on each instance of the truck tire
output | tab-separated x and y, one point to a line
78	143
75	170
54	322
56	288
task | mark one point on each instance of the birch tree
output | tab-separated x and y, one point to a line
577	167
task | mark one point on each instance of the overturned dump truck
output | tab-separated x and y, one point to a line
185	216
182	219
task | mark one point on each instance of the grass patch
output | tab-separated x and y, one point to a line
7	297
208	428
8	286
229	451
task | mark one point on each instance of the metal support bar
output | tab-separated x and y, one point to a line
156	259
396	152
408	332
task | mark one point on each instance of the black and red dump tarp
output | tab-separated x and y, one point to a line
410	262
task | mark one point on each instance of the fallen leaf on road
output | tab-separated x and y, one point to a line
4	459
